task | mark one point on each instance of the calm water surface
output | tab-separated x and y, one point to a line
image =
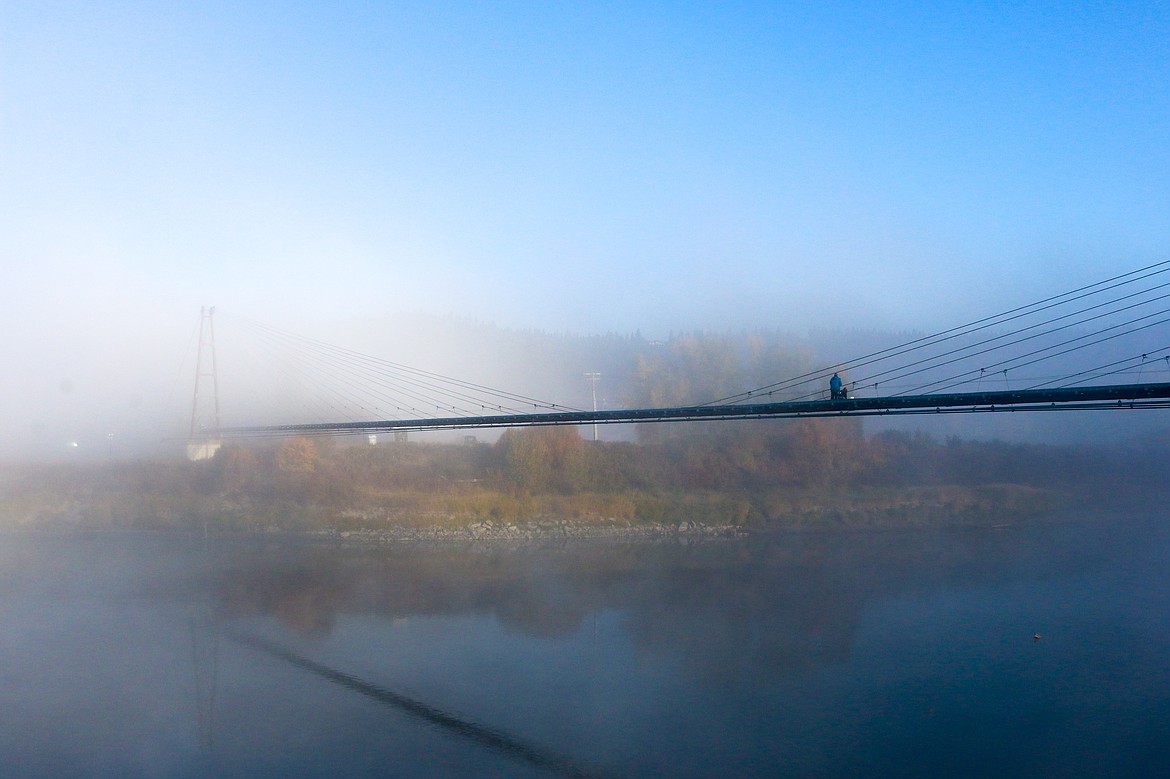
819	654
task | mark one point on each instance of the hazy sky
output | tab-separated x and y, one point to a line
584	166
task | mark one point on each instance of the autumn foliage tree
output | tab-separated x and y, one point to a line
297	455
704	367
234	470
822	452
544	458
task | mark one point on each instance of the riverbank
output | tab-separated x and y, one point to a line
482	513
477	491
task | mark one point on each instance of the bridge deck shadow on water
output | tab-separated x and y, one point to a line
489	738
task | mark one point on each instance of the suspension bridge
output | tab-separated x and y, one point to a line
1102	346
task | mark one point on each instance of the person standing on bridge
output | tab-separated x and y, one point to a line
836	388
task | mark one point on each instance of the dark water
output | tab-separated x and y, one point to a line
820	654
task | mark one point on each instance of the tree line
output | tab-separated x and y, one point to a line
736	472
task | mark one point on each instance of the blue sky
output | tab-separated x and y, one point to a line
584	167
596	167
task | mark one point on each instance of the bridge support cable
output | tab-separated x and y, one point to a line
287	389
1092	303
378	364
1006	341
1049	352
1008	353
359	386
375	369
339	385
1110	369
369	384
364	386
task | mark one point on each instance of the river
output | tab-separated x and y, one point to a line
1022	649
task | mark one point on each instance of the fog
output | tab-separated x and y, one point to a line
116	392
379	178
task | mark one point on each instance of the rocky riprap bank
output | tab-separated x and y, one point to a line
489	529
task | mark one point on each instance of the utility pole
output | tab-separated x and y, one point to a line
592	377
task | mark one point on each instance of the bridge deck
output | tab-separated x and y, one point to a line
1118	396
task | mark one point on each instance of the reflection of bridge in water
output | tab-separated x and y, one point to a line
490	738
1093	348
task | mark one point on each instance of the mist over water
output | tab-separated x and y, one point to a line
1034	649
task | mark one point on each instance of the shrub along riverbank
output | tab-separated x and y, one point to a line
753	475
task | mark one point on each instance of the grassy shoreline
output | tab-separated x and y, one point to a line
79	507
553	479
